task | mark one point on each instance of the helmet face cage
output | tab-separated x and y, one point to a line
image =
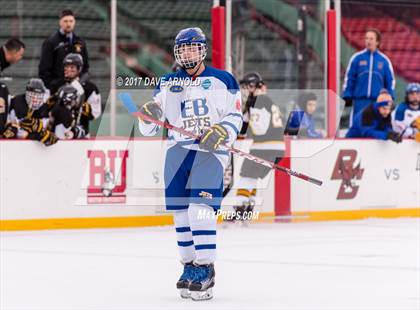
189	55
69	99
34	99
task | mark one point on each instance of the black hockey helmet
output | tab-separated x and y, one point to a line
68	97
35	93
74	59
252	79
36	86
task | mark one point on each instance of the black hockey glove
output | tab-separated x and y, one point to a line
87	110
78	132
212	137
395	136
348	102
31	125
151	109
10	132
48	138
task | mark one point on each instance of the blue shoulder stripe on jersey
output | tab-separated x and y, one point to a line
224	76
203	232
205	247
399	113
185	243
236	130
235	114
182	229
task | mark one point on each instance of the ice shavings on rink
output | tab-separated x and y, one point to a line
370	264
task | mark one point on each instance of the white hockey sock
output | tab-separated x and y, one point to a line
184	236
247	183
246	190
203	227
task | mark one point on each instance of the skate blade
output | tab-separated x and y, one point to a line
245	223
202	295
227	224
185	293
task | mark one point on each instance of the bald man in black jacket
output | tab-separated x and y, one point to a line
10	53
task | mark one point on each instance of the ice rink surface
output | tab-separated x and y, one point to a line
369	264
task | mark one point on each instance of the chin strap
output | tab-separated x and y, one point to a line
196	70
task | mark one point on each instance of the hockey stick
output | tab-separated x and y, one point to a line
85	76
132	109
403	132
228	176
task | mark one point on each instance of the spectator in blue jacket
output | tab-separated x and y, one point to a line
374	121
367	73
301	120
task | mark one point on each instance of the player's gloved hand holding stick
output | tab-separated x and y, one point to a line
48	138
132	109
151	109
213	137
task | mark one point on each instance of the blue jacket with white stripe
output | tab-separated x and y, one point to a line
367	73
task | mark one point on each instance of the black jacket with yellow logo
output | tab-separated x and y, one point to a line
54	49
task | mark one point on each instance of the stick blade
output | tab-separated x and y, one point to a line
315	181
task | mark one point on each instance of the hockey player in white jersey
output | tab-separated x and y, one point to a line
207	102
405	116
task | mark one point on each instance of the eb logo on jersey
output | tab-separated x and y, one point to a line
194	114
107	176
195	107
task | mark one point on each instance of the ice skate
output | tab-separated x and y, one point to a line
202	283
185	280
247	213
243	213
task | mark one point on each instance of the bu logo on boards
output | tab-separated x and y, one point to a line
348	172
107	176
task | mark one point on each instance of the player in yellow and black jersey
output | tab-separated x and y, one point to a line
264	124
29	115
